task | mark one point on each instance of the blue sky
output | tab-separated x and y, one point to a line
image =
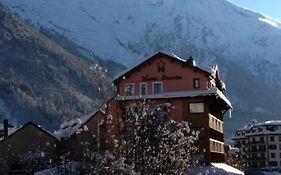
270	8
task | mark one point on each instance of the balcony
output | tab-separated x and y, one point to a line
215	123
216	146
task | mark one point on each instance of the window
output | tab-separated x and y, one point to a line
243	142
196	107
254	156
262	148
143	89
272	138
200	132
129	89
272	147
157	87
262	164
279	138
253	148
254	140
196	83
262	139
272	155
272	163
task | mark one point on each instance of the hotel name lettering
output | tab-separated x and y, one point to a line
147	77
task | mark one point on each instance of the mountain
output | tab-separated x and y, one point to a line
39	80
245	44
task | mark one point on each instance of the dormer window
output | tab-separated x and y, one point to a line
196	83
129	89
157	87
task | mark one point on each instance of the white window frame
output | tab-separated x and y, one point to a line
196	86
145	84
133	89
157	82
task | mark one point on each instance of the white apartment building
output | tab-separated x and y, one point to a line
260	145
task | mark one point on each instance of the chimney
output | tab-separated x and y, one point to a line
6	125
190	61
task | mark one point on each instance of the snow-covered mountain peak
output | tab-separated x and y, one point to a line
246	44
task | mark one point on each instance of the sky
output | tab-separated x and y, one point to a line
270	8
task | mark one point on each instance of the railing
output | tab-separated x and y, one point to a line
215	123
216	146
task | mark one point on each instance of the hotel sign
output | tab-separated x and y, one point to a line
147	77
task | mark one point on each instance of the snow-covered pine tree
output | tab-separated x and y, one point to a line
155	144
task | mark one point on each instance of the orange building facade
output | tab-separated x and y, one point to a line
195	93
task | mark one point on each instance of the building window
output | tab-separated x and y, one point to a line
262	139
196	83
157	87
272	147
254	156
200	132
272	163
262	148
272	155
254	140
253	148
143	88
196	107
129	89
279	138
272	138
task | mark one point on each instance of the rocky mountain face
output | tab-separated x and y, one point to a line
39	80
245	44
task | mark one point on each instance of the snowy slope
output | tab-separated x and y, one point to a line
244	43
127	30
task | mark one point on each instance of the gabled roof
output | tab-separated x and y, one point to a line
69	128
16	130
173	57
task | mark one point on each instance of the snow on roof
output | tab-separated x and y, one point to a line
175	56
194	93
209	69
11	131
215	169
272	122
72	126
227	168
15	129
262	128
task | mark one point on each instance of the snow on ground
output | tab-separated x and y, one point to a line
215	169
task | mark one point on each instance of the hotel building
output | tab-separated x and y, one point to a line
196	93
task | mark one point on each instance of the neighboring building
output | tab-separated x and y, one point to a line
260	145
82	135
28	141
196	94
